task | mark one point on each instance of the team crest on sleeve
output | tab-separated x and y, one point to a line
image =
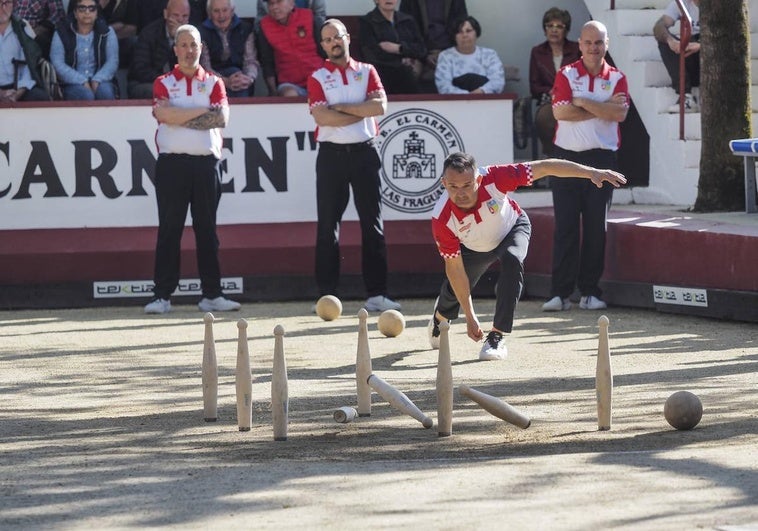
493	206
413	145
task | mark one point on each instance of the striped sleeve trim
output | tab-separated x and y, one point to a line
448	256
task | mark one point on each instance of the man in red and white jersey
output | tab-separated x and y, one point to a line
345	97
476	223
191	107
590	99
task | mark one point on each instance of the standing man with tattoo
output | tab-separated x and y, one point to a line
191	107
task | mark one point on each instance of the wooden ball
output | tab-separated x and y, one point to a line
329	308
683	410
391	323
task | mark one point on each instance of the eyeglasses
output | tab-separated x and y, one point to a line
83	9
555	26
338	37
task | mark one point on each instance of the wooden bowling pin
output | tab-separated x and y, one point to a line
497	407
444	384
363	366
399	400
603	377
243	380
210	372
279	394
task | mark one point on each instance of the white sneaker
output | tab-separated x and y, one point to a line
219	304
380	303
494	347
158	306
690	105
556	304
592	303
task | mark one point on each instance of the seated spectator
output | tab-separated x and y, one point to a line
467	68
392	42
435	19
317	6
545	60
84	54
153	53
19	54
669	48
288	48
119	14
147	11
229	48
43	16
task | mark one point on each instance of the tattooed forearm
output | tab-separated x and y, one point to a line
210	120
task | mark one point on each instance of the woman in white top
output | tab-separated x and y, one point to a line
467	68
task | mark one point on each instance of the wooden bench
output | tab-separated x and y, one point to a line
747	148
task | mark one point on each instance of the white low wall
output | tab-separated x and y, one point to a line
91	166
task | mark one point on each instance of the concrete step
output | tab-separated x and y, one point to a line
641	4
655	74
637	21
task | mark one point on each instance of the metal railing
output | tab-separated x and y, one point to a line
685	34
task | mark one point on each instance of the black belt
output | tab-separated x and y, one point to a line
357	146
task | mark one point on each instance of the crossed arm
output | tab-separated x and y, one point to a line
341	114
580	109
201	118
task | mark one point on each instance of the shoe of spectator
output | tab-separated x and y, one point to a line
158	306
219	304
380	303
690	105
494	347
591	302
556	304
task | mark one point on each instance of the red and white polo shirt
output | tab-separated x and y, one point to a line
484	226
204	89
331	85
573	81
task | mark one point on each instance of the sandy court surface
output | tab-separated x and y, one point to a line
102	424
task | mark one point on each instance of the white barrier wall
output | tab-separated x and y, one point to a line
76	167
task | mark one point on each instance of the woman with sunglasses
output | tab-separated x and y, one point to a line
84	54
545	60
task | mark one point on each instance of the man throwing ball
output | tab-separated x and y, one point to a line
476	223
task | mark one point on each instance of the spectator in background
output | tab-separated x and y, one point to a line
544	61
435	19
669	47
84	54
20	78
392	42
317	6
467	68
288	48
229	48
590	99
43	16
147	11
154	51
119	14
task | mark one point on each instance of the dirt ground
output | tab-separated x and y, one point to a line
101	425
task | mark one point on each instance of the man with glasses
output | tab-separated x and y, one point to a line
288	45
20	79
345	97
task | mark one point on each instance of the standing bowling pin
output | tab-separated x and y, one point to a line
244	380
279	396
603	377
444	384
363	366
210	372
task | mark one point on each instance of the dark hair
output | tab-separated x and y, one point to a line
556	13
471	20
460	162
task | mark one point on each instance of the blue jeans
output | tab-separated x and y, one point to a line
105	91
